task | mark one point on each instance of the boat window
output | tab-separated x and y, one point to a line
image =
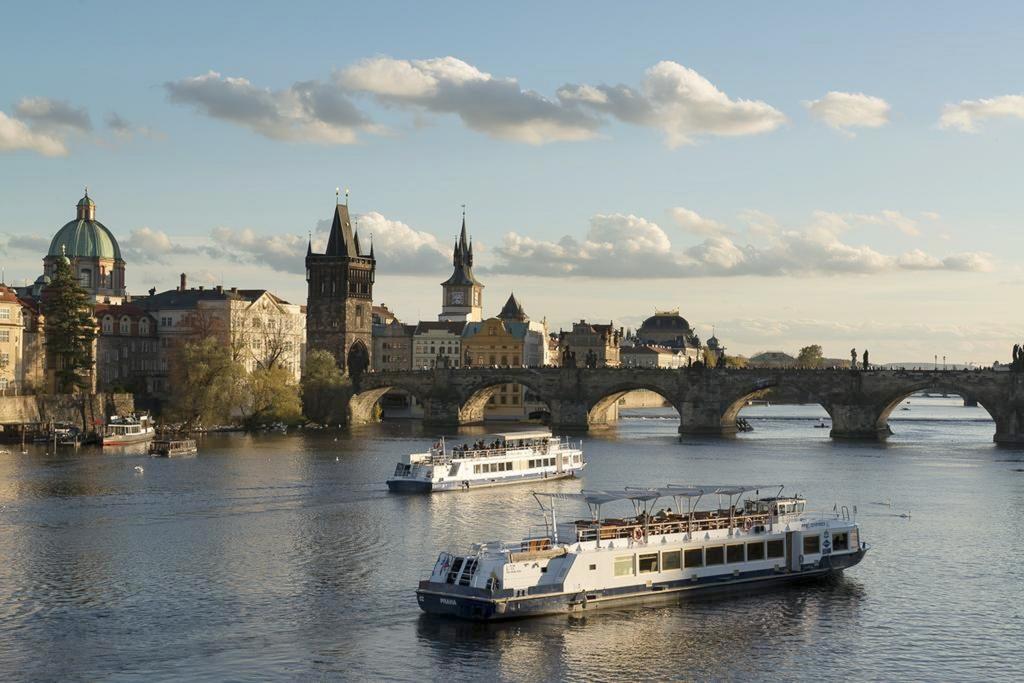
476	469
799	507
648	563
812	545
755	551
455	569
624	565
776	548
671	560
840	541
714	555
694	557
734	553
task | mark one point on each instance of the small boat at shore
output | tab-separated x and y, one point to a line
124	431
649	556
170	448
492	460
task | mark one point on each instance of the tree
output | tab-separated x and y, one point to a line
271	395
323	388
70	329
810	357
206	382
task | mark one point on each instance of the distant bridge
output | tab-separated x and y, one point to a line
708	400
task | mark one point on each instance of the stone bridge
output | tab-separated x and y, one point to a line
708	400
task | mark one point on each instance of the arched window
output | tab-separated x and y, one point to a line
126	325
144	326
108	324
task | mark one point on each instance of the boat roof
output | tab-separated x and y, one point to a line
643	493
529	434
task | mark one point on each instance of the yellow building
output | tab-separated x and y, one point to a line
11	336
497	343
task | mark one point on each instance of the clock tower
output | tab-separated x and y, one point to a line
463	294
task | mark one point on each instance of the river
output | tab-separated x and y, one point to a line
284	557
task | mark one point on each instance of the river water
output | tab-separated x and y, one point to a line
285	557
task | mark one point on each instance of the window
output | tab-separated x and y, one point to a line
776	548
648	563
593	567
624	565
694	557
126	325
671	560
812	545
144	326
714	555
734	553
5	313
5	335
840	541
755	551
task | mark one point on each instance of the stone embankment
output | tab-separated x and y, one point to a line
87	411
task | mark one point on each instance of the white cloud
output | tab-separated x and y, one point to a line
401	249
967	114
15	135
890	218
679	102
498	107
305	112
126	130
146	244
692	222
846	110
633	247
46	115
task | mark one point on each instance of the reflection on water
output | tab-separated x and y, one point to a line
285	557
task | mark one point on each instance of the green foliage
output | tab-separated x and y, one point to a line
323	388
810	357
70	329
271	395
206	383
735	362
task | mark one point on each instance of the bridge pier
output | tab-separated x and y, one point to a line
1009	426
858	421
705	418
569	416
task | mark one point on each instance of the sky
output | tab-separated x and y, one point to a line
784	175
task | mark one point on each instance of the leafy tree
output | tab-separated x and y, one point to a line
323	388
271	395
810	357
70	329
205	382
735	361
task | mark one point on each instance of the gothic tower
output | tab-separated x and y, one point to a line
340	297
462	293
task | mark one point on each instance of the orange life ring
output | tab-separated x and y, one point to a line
638	534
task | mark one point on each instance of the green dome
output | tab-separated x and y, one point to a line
85	238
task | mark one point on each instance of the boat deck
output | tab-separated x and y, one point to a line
669	523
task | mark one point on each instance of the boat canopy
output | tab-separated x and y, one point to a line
532	434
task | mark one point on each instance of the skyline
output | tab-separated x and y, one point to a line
827	193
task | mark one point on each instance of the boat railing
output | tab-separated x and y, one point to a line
611	529
439	456
526	545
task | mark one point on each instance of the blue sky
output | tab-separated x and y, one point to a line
744	207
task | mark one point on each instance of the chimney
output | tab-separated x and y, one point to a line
183	283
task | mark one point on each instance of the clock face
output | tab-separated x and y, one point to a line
458	297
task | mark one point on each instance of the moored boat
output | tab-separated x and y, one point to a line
169	448
599	562
493	460
123	431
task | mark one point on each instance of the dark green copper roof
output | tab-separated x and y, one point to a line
85	238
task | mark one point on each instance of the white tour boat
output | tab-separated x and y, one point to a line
593	563
123	431
493	460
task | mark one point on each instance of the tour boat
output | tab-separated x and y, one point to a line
123	431
169	448
493	460
589	564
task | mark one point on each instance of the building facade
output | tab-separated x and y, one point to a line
437	343
127	348
12	332
462	294
590	345
340	297
93	252
392	346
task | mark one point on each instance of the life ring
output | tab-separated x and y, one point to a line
638	534
746	525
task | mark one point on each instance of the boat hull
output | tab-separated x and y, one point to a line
127	440
408	485
478	605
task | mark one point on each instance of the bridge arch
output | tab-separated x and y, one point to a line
947	385
600	409
362	405
491	390
758	388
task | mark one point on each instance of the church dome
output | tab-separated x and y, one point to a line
85	237
666	321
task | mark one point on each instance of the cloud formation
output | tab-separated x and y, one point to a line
50	116
845	110
16	136
966	115
308	111
498	107
679	102
632	247
126	130
692	222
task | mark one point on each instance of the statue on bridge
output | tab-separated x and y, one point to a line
1018	358
591	361
568	358
853	359
866	364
